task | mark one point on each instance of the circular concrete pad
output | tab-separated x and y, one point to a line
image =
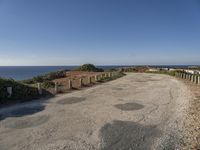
117	88
129	106
71	100
26	122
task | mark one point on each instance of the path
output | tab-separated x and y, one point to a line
138	111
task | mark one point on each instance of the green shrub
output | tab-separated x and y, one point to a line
116	75
47	77
89	68
21	92
48	84
171	73
134	69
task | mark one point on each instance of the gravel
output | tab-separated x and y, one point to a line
138	111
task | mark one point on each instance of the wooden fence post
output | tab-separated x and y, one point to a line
96	78
192	78
198	80
187	76
69	84
89	80
39	88
56	87
80	82
9	91
109	74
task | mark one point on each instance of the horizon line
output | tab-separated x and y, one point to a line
101	65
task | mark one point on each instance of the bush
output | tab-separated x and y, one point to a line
21	92
116	75
89	68
47	77
48	84
134	69
171	73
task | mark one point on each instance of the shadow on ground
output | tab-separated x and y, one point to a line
22	111
125	135
71	100
117	88
129	106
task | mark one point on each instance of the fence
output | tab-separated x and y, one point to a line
68	84
190	77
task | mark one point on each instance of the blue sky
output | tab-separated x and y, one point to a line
103	32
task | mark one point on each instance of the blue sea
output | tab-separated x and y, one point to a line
27	72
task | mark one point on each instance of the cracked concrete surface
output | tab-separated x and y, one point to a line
137	111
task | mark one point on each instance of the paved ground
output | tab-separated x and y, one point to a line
138	111
192	125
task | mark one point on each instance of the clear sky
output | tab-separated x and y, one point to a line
103	32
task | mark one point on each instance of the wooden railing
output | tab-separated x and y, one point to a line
84	81
194	78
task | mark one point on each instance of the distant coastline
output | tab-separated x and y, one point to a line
26	72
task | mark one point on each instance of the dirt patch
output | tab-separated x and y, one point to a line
117	88
26	122
141	81
124	135
120	99
148	80
129	106
72	100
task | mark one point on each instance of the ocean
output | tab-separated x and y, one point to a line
27	72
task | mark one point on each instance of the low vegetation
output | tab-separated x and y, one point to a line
48	84
171	73
21	92
89	68
46	77
194	67
135	69
27	89
115	76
